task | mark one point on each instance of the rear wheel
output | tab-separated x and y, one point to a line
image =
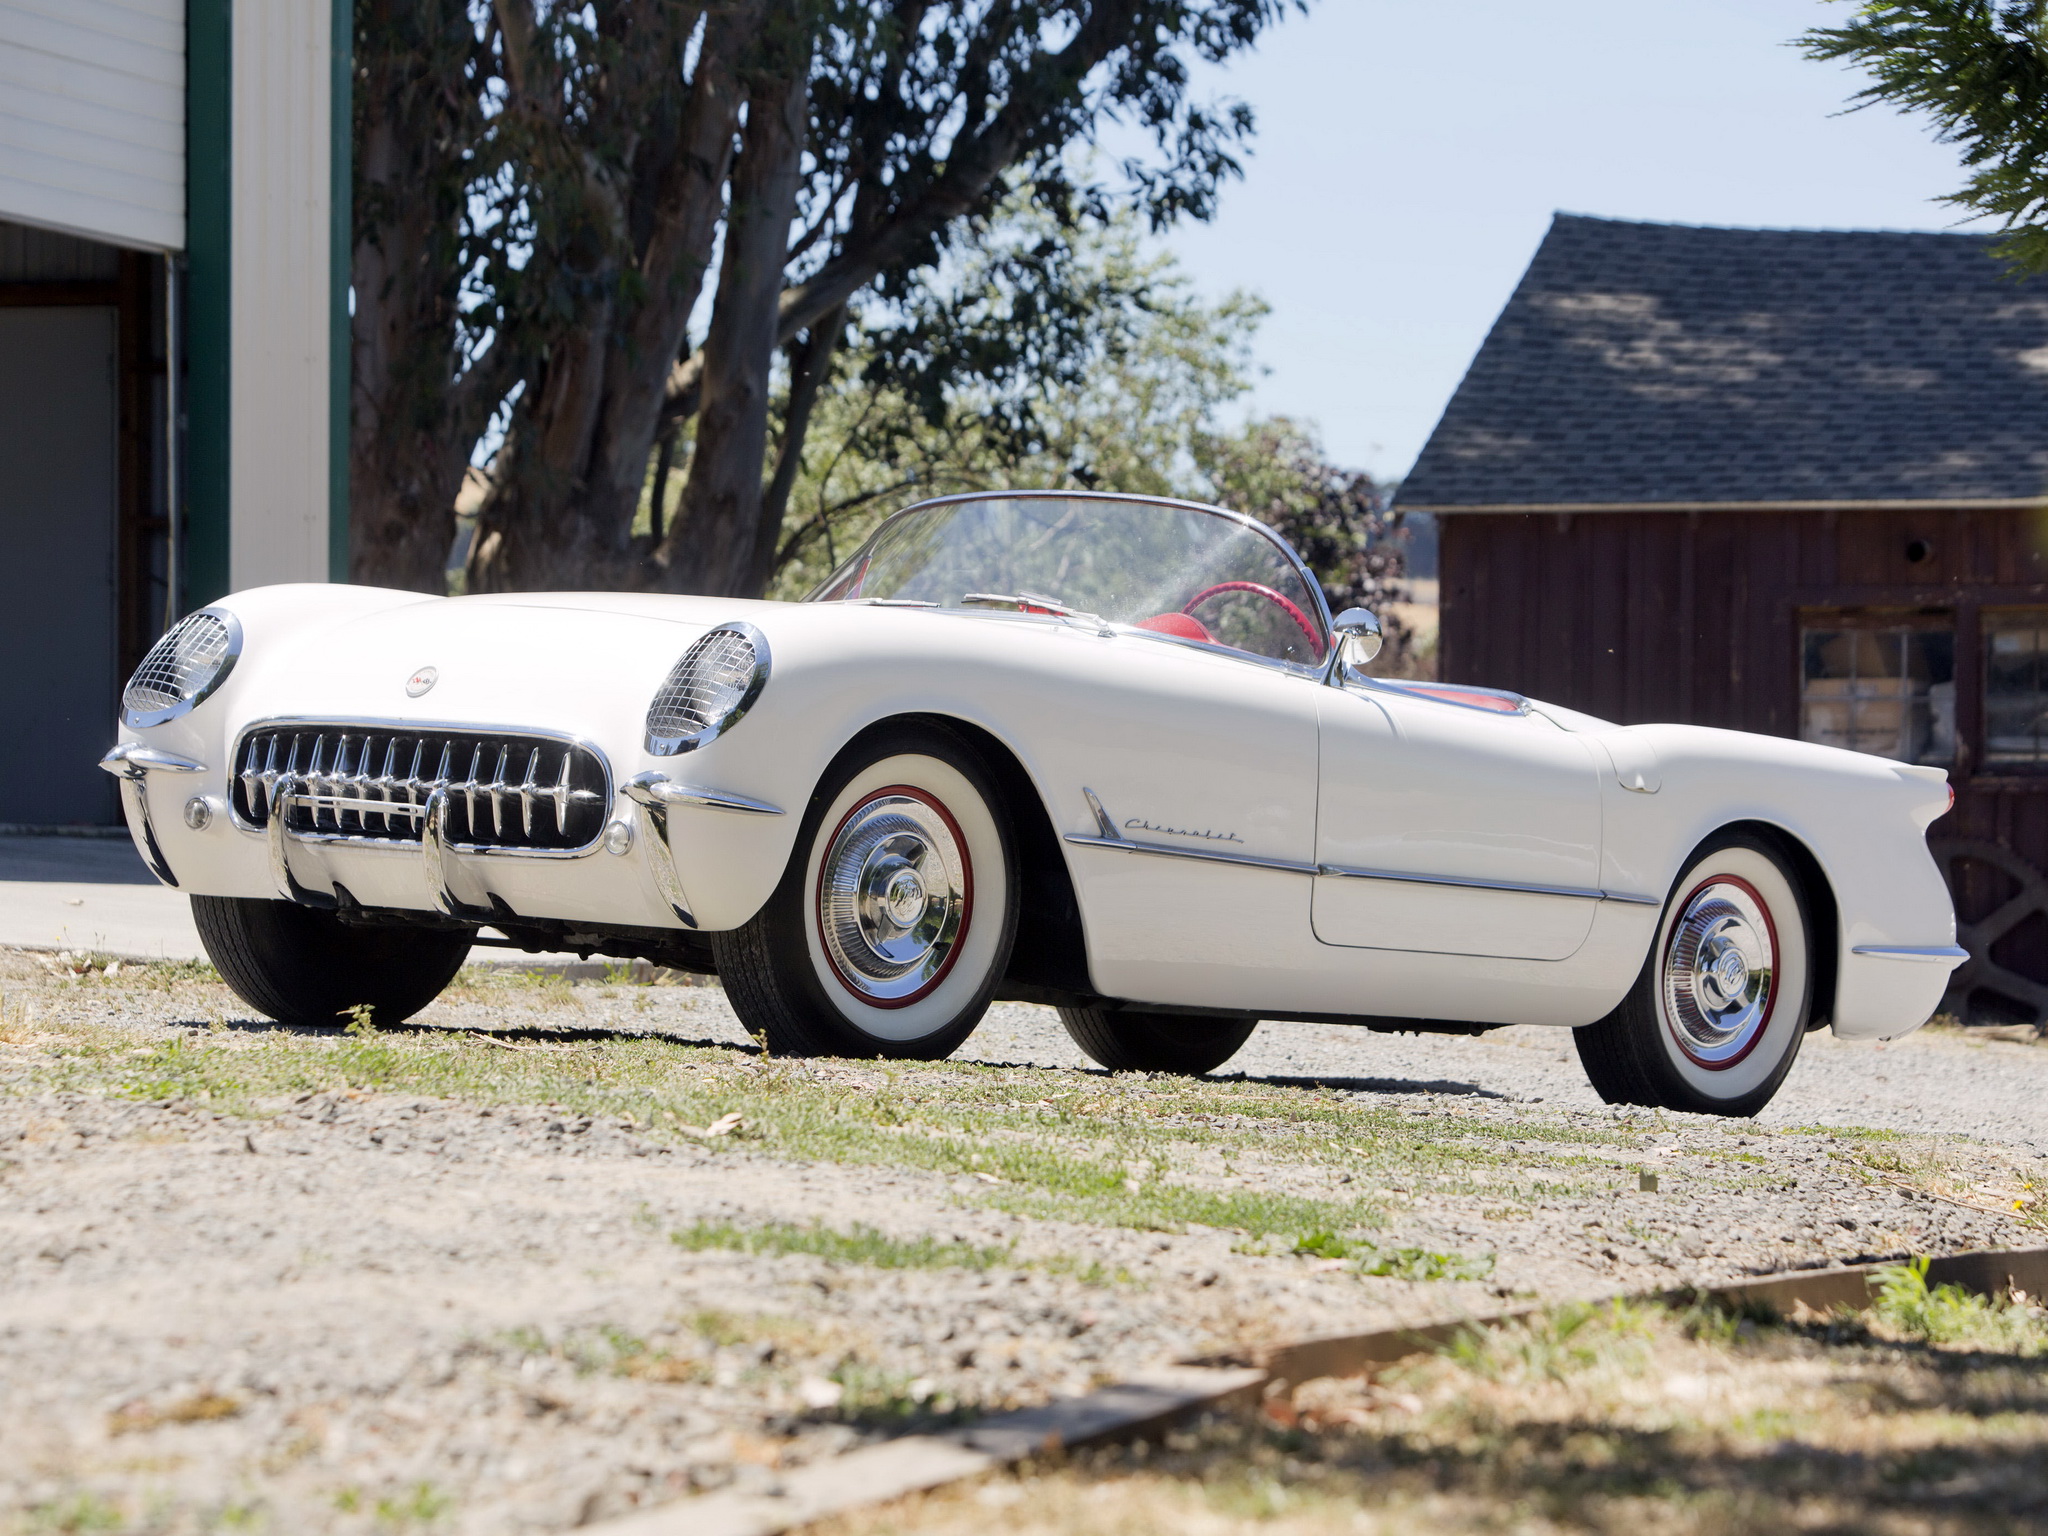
311	970
895	918
1130	1040
1714	1021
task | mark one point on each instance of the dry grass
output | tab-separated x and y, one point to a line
1618	1420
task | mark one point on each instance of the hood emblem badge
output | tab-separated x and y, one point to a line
421	681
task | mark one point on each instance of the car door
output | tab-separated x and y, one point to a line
1453	828
1185	784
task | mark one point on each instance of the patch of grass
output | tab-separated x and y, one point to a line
888	1400
1394	1263
1160	1154
863	1245
421	1504
1950	1317
75	1514
1658	1431
1553	1344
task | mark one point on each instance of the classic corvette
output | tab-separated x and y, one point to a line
1106	753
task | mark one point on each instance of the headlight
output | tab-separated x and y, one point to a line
709	690
181	669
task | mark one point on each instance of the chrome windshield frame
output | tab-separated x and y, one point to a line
1308	577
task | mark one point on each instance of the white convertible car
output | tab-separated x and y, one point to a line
1107	753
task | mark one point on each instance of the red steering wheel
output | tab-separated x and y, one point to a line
1315	641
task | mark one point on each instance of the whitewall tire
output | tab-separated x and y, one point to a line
1714	1021
894	921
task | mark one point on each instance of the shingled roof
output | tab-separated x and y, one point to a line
1655	365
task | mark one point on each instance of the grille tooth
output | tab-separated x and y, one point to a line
373	787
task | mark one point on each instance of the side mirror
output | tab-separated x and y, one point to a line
1358	636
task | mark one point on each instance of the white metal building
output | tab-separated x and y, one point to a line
173	344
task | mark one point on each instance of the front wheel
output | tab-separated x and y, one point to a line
1713	1023
310	970
894	920
1131	1040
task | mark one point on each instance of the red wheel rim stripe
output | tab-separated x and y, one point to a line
1770	1004
926	798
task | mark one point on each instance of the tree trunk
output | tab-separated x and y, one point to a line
711	548
410	421
809	362
584	428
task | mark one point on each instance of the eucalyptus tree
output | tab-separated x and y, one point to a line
1979	70
542	192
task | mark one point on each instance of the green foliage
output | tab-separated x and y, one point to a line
1979	71
76	1514
1554	1344
1394	1263
1079	357
862	1245
1042	356
1948	1315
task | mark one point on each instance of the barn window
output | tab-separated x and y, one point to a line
1887	689
2016	688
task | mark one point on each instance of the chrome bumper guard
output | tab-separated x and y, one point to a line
132	763
654	793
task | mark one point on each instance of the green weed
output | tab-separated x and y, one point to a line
1394	1263
1951	1317
862	1245
77	1514
1552	1345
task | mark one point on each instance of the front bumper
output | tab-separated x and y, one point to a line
179	815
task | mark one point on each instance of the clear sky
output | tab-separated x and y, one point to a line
1411	152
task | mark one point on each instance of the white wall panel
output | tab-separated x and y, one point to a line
92	118
278	391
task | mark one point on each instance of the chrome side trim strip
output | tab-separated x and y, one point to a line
134	757
1340	872
1946	954
672	793
1125	845
645	790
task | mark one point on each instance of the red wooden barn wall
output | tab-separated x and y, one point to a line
1694	616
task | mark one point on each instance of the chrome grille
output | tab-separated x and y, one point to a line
178	665
505	789
704	687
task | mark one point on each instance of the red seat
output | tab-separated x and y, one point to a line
1180	625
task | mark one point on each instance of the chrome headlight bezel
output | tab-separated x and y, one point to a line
737	693
165	653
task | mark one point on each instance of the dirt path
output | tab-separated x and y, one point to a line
487	1275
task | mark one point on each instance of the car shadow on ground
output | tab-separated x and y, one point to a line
521	1035
1407	1085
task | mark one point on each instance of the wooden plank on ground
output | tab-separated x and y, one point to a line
918	1462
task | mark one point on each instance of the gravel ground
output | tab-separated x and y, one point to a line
354	1308
1946	1082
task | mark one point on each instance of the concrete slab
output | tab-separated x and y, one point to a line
90	893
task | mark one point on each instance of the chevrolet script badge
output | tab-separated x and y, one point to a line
421	681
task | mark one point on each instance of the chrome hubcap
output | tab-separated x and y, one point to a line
893	897
1719	965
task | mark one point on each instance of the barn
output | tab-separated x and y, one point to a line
1788	481
174	196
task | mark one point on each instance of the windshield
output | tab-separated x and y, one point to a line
1167	567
